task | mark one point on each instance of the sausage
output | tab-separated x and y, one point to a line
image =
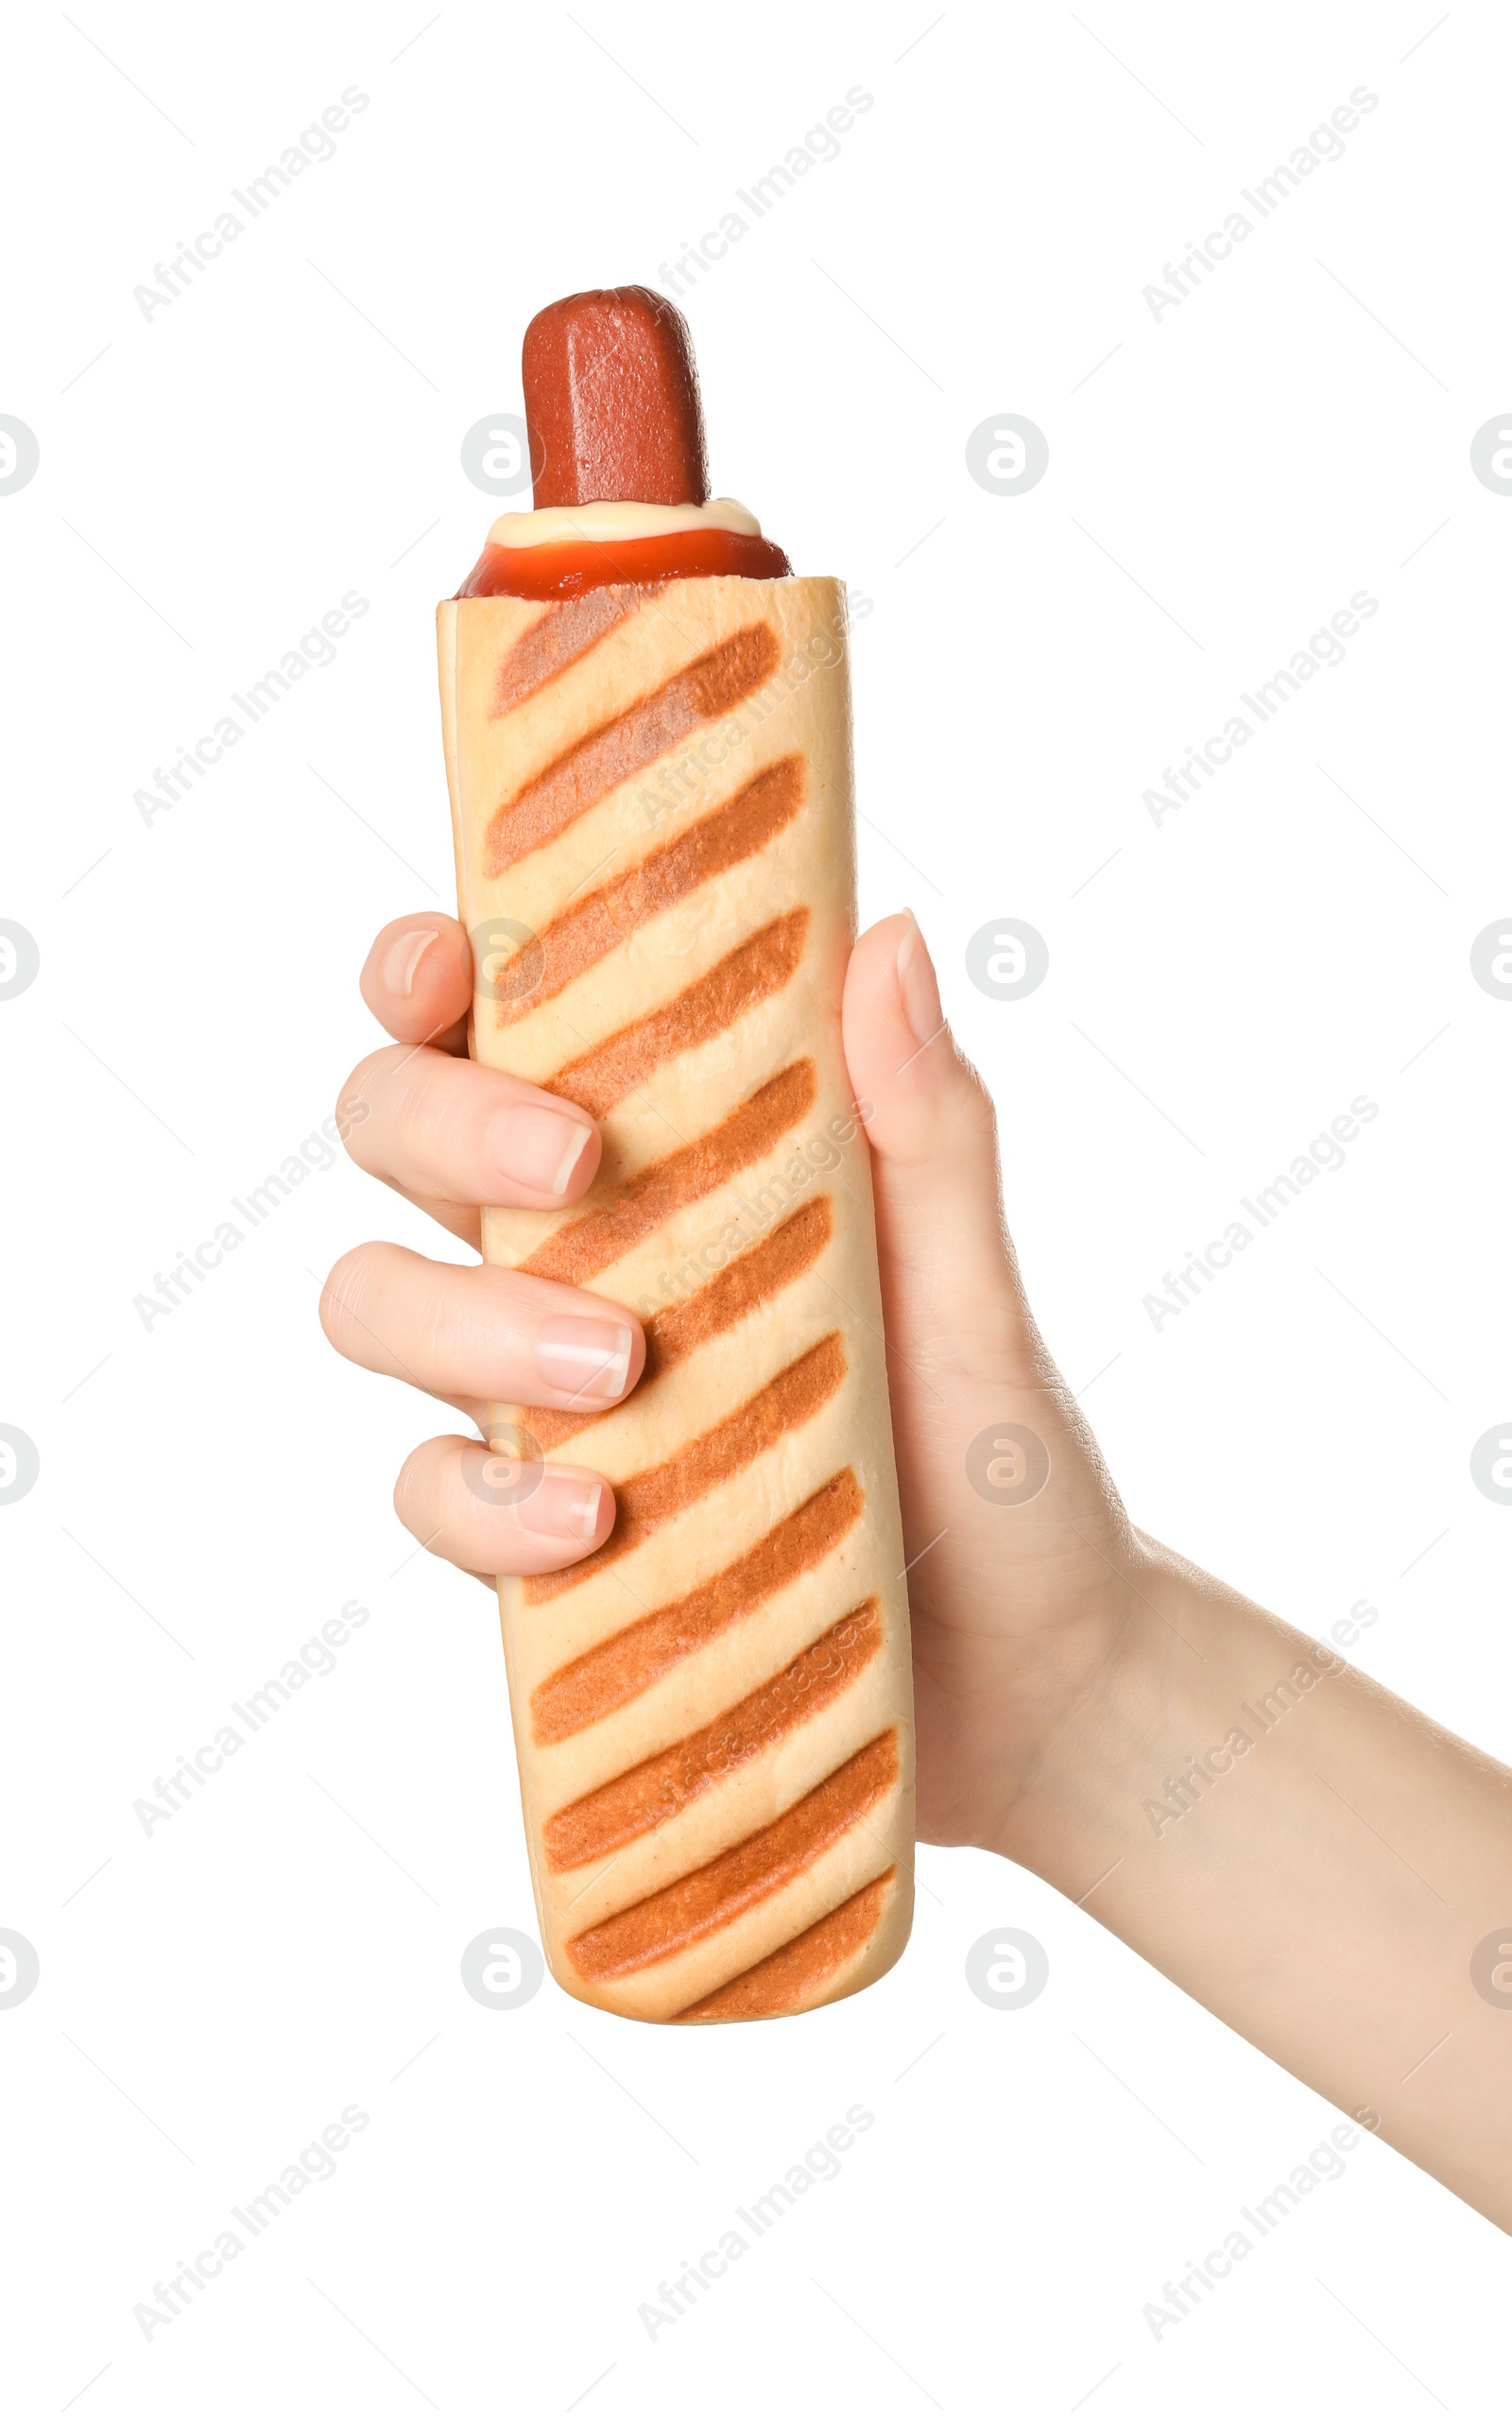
611	401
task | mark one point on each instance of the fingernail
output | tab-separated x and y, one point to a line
403	957
917	985
565	1506
537	1148
585	1358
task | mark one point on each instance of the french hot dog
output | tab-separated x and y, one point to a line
646	721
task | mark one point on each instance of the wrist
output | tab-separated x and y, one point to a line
1193	1677
1081	1733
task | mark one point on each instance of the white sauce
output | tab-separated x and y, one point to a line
620	520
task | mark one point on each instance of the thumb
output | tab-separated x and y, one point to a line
976	1399
951	1283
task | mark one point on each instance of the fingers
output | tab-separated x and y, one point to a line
439	1129
453	1136
475	1335
501	1515
418	981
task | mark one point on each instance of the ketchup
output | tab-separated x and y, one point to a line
568	569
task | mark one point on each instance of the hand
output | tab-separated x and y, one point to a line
1317	1862
1322	1867
1012	1621
1017	1612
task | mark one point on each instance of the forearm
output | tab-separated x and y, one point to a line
1312	1859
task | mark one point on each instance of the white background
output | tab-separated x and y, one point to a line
213	1490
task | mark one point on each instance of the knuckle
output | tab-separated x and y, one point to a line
412	1486
974	1095
453	1116
355	1102
335	1295
430	1106
348	1285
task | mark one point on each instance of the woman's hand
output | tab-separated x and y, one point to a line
1318	1864
1013	1621
1018	1607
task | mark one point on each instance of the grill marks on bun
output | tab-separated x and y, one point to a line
654	1790
630	1662
582	1247
628	743
602	920
746	1875
792	1977
652	1499
563	633
599	1079
761	1273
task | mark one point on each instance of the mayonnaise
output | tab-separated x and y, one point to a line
618	520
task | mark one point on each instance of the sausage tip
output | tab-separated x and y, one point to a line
611	401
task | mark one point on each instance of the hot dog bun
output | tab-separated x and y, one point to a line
651	795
